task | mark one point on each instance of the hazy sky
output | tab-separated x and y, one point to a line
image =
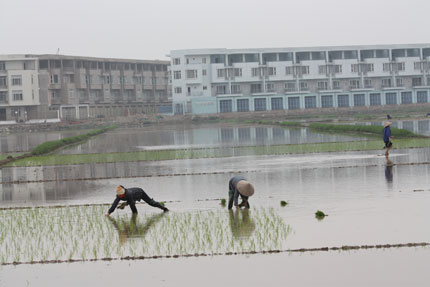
149	29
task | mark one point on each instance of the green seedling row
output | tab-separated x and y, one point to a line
81	233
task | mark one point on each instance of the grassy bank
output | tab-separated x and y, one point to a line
55	159
374	130
51	146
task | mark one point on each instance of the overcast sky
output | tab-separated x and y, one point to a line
149	29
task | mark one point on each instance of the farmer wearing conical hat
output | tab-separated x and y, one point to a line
239	186
130	196
386	136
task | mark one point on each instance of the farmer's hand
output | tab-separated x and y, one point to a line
107	214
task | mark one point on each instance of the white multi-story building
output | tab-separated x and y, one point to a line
240	80
19	87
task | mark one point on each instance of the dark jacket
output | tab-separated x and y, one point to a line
232	186
131	196
386	134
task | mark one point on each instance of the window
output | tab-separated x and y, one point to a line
121	80
277	104
3	81
386	67
220	73
391	98
288	70
225	106
259	104
355	68
310	102
399	66
335	69
367	68
221	90
290	86
176	61
205	88
303	86
386	83
367	83
3	96
203	60
406	98
354	84
237	72
293	103
322	69
322	85
235	89
359	100
255	72
362	68
16	80
417	66
272	71
191	74
327	101
415	82
270	87
17	95
302	70
178	90
2	66
336	85
244	134
343	100
422	97
375	99
176	75
243	105
399	82
256	88
204	72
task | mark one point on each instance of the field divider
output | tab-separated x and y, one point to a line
275	251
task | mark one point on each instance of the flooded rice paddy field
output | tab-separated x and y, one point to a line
23	142
200	136
369	203
382	267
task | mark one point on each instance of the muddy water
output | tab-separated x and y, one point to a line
421	127
367	201
22	142
123	140
391	267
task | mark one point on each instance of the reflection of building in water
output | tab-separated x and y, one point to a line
416	126
241	223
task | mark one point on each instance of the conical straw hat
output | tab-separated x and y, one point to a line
120	190
387	124
245	188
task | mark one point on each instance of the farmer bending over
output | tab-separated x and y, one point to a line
130	196
239	186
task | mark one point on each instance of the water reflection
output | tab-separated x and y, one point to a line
125	140
22	142
417	126
241	224
132	228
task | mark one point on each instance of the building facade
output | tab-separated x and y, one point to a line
80	87
223	80
19	88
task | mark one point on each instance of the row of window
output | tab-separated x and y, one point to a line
277	103
16	96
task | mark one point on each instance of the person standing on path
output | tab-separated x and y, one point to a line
130	196
386	136
239	186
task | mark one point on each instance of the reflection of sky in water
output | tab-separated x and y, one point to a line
84	233
21	142
124	140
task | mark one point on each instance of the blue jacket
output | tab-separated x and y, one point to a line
386	134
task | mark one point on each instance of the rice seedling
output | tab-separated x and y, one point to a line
223	202
284	203
82	233
320	215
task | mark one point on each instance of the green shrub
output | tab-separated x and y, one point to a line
283	203
291	124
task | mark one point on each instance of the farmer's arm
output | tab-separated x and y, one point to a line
230	194
114	205
236	197
132	205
